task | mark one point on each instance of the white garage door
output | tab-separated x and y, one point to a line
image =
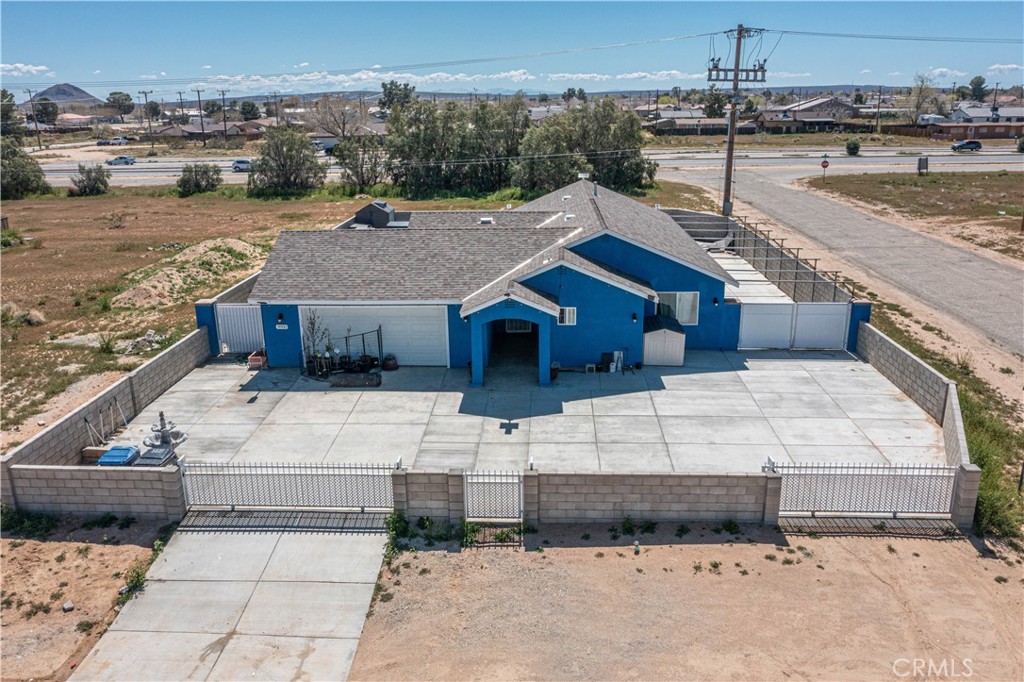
415	335
765	325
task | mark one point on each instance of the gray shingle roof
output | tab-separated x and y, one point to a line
632	220
447	220
394	264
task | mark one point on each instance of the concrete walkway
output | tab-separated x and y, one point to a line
965	285
229	605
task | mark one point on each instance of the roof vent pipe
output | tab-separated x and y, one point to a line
595	188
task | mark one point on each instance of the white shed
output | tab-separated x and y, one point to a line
664	342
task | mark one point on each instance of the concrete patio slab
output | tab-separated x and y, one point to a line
215	442
652	457
373	443
783	381
215	376
888	406
211	609
835	454
306	609
718	430
267	659
706	403
392	407
929	454
699	381
313	407
628	430
900	432
852	381
242	407
688	457
503	456
169	657
330	557
441	456
565	457
561	401
797	405
215	557
460	428
288	443
626	404
562	429
495	430
811	431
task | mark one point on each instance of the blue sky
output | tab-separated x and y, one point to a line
256	47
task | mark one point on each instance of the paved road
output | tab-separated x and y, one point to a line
245	605
980	292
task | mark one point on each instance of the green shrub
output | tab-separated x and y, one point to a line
9	238
853	147
198	178
91	181
25	524
1020	145
22	175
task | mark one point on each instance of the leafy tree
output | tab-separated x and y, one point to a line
961	93
581	94
362	160
543	98
121	102
270	109
714	101
569	94
44	111
666	99
978	90
250	111
198	178
395	95
91	181
288	163
153	110
750	106
548	158
10	121
20	174
853	147
858	97
211	108
677	94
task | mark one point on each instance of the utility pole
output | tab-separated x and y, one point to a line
181	110
878	112
224	112
277	106
145	96
995	104
202	123
748	75
35	118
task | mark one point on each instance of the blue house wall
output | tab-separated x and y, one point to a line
604	317
480	329
284	345
460	350
714	329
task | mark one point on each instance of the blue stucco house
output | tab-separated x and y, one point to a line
571	279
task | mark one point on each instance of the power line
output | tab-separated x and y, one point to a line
927	39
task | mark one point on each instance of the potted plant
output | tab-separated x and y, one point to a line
258	359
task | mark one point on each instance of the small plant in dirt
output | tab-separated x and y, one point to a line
744	572
34	608
853	147
880	526
105	521
1002	579
424	571
126	522
469	532
387	596
770	557
60	558
639	570
599	555
787	562
715	567
950	533
731	527
890	549
628	526
697	567
613	532
90	181
56	595
84	550
585	536
717	530
648	527
85	626
682	530
15	544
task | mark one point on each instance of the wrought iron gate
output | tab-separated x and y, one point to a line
494	495
851	489
286	486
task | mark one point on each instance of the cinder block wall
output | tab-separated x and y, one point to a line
238	293
924	385
953	430
142	492
605	497
426	493
61	443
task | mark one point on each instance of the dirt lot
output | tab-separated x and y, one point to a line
982	209
83	566
700	607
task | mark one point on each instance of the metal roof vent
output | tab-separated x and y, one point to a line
508	207
569	216
487	220
567	197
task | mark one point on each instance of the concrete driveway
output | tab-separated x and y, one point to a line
244	605
722	412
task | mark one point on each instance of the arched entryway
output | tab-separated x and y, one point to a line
512	340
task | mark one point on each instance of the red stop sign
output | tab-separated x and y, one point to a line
824	164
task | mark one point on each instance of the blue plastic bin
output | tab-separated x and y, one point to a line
119	456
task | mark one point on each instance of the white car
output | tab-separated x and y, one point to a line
121	161
241	166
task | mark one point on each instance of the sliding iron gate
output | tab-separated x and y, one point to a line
494	495
239	327
287	486
870	489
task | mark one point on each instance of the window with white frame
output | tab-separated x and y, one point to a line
513	326
680	305
566	316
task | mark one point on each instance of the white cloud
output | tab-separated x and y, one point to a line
895	73
163	73
865	70
787	74
206	66
300	66
50	74
20	69
944	72
1004	68
96	72
148	77
668	75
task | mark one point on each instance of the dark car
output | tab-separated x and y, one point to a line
967	146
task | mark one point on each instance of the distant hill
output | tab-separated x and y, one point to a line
68	95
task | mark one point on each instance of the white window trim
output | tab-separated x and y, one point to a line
516	326
675	304
567	314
